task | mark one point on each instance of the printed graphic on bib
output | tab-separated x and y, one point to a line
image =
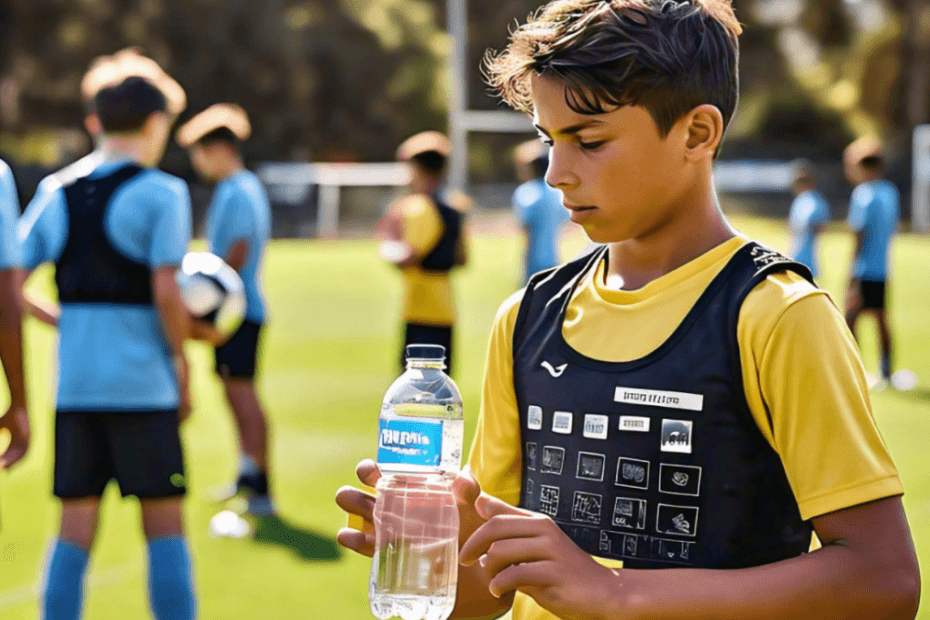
534	418
677	520
629	513
549	500
586	507
659	398
676	436
562	422
595	426
636	424
632	473
591	466
531	456
680	479
553	458
410	443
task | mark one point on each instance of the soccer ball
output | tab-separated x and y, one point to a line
212	291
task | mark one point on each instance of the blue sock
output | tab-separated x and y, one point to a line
171	588
886	366
64	582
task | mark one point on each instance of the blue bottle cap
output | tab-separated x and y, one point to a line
426	352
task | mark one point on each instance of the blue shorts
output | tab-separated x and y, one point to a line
236	358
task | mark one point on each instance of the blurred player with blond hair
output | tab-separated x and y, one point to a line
238	228
116	229
423	234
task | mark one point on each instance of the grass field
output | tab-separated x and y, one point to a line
328	356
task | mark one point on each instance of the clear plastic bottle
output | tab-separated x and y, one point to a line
414	571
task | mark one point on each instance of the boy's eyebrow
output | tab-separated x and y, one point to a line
568	131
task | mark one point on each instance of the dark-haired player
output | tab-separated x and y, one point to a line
238	227
809	214
682	399
538	209
423	234
116	233
873	217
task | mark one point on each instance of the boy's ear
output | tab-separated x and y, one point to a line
705	131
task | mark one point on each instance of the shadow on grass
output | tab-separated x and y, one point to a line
922	394
307	544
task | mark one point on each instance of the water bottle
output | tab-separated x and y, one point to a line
414	571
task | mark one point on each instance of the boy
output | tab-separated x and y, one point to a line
809	213
873	217
116	235
238	227
538	209
655	404
424	237
16	419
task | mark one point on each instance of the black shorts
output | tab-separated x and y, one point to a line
236	358
140	450
873	294
415	333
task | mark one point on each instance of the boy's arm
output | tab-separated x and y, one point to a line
175	320
16	419
867	568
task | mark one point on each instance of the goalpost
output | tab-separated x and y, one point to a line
920	188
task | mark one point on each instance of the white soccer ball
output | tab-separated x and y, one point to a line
212	291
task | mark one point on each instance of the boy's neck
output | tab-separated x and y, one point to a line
133	148
231	169
692	231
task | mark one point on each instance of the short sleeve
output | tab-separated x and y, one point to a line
859	207
821	213
10	255
171	232
422	224
232	221
496	455
524	205
43	226
807	389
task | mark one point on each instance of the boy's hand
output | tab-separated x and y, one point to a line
526	551
16	421
201	330
361	504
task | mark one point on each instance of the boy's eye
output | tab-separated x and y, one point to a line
590	146
545	140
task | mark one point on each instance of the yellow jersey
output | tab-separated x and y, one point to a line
801	370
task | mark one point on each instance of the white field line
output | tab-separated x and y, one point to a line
95	581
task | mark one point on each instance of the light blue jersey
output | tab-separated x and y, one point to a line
873	210
10	257
808	211
114	357
240	211
539	210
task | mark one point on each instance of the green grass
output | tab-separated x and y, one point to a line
328	355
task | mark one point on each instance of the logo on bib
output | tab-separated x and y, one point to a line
555	372
595	426
635	424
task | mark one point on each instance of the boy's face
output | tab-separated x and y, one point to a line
619	177
203	160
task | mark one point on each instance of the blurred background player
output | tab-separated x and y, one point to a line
16	419
423	234
238	227
116	236
873	217
809	214
538	209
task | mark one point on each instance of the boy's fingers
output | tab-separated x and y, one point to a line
356	502
465	487
512	551
523	577
354	540
489	507
500	528
368	472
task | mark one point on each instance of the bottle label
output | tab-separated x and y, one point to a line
409	442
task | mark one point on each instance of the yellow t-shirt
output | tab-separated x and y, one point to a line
427	295
800	364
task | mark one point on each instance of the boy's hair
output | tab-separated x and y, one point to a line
124	107
670	56
431	162
223	135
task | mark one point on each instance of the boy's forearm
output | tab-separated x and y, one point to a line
831	583
11	334
174	316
